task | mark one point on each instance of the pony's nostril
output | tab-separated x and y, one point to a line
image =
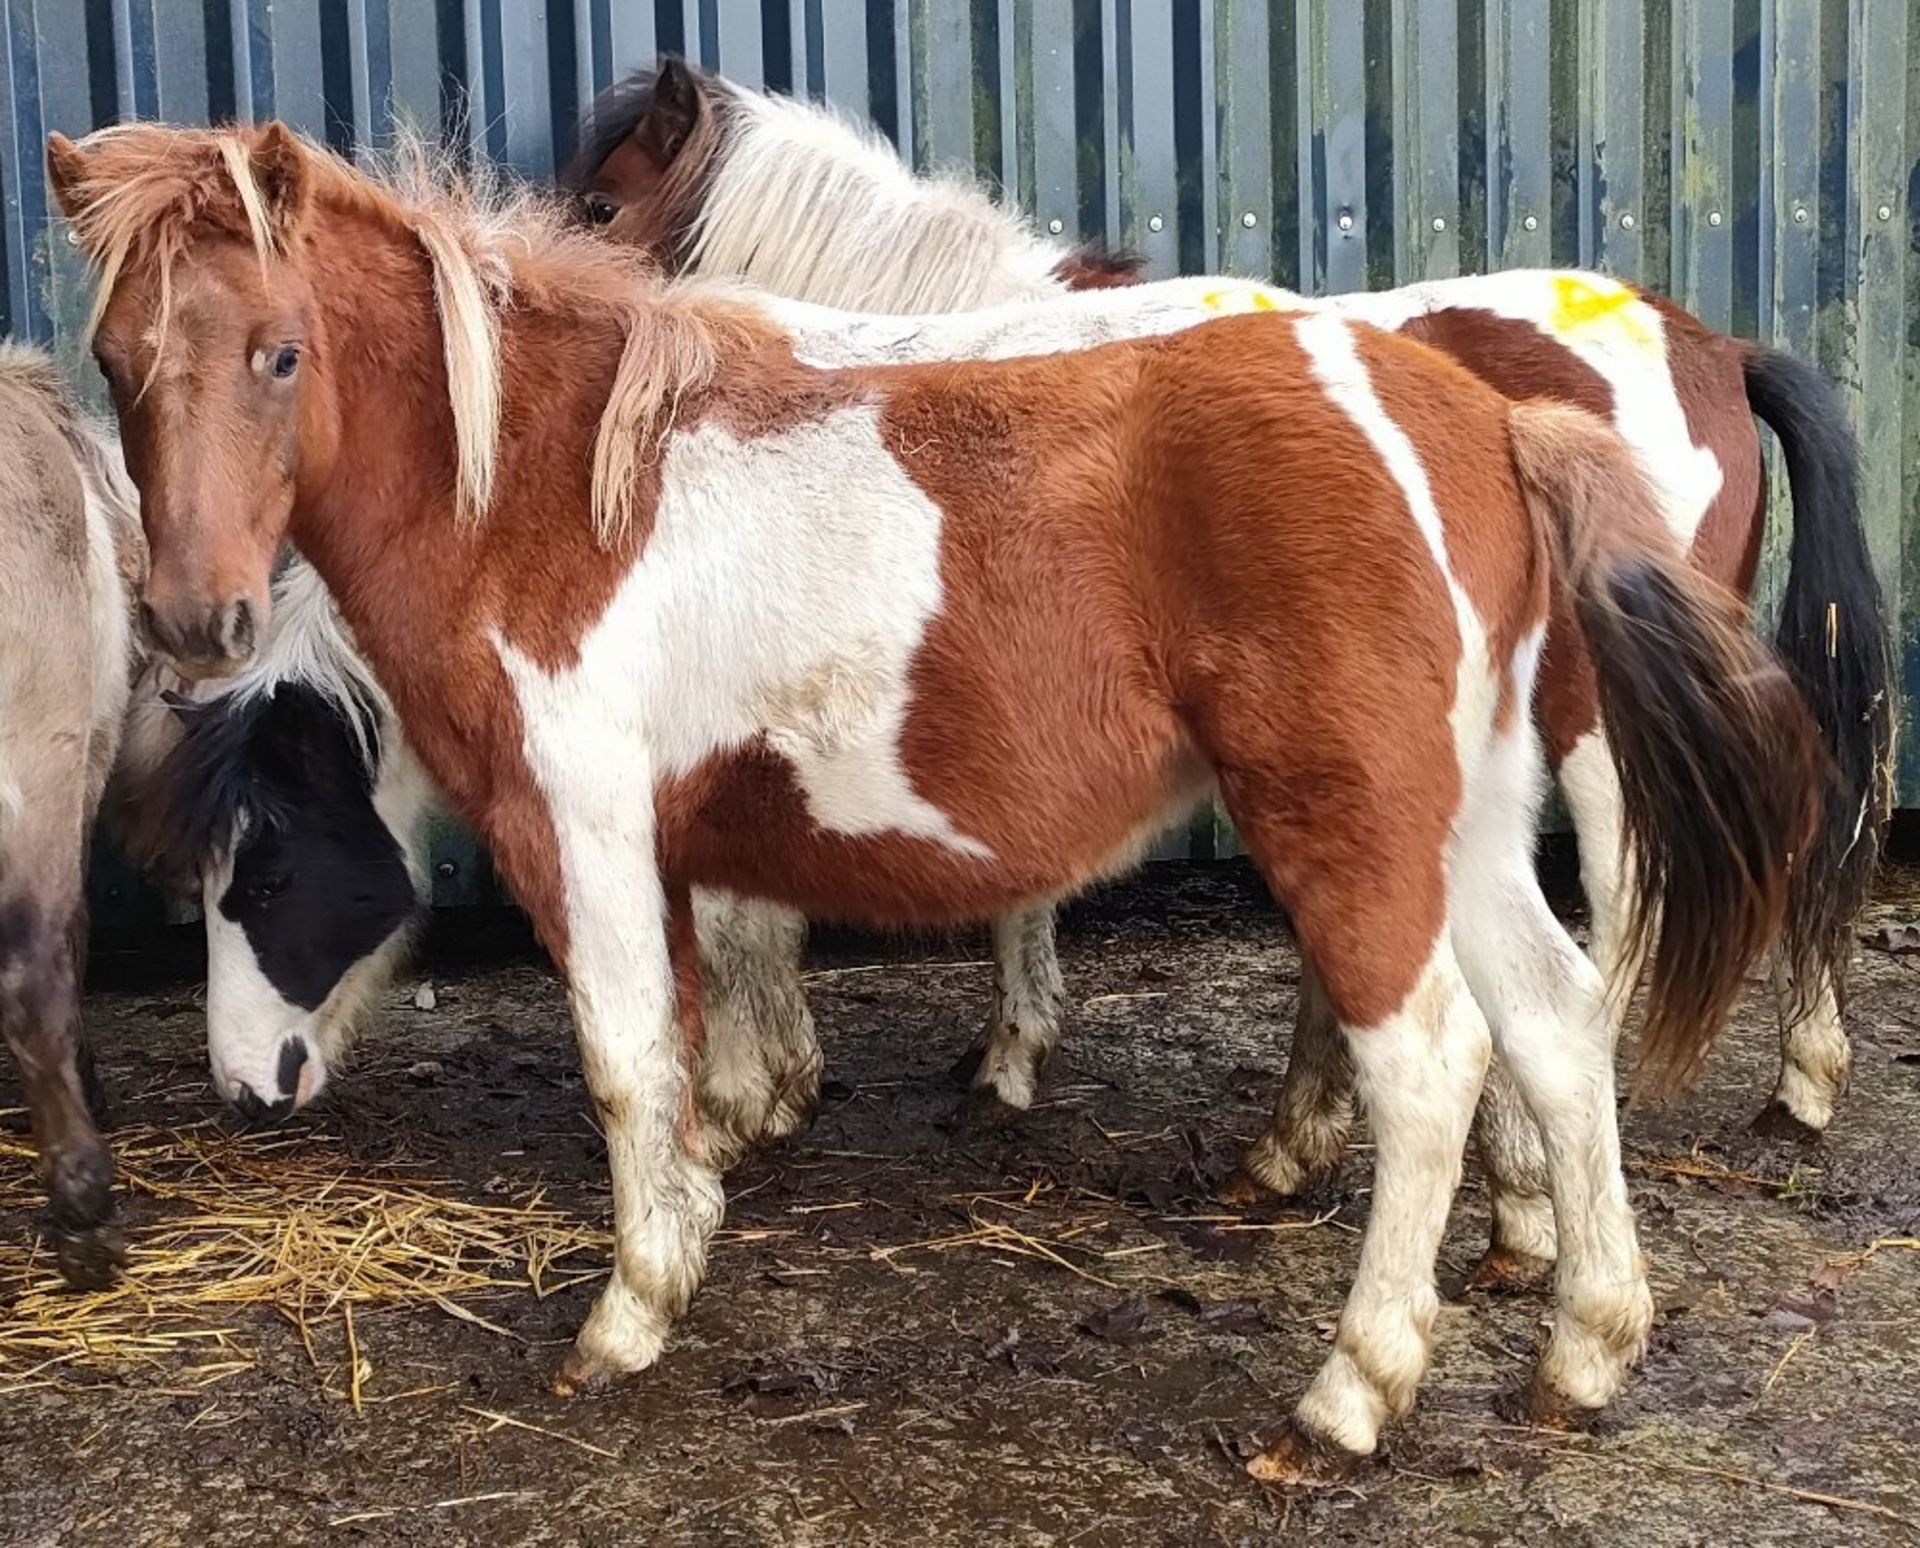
236	630
293	1059
150	626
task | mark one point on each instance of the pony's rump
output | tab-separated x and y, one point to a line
1720	769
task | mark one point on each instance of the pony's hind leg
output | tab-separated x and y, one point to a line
1521	1253
1362	872
1553	1027
1815	1061
1008	1063
1418	1072
1313	1112
760	1063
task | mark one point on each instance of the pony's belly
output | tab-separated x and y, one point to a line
742	823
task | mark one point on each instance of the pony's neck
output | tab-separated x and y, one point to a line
806	205
380	522
392	475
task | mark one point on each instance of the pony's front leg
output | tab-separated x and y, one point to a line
639	1044
1313	1113
576	843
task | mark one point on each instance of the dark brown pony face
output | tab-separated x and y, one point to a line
207	346
643	154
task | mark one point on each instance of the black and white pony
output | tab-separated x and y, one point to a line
287	801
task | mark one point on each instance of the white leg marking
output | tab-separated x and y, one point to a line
760	1069
1815	1057
1023	1027
1418	1074
591	764
1313	1113
1504	1131
1548	1008
1591	786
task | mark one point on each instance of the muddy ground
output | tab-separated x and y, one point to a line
818	1393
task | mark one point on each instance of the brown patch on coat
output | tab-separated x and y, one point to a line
1709	378
1499	557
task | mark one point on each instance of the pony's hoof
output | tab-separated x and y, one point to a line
1245	1188
90	1259
1502	1271
1242	1190
1778	1121
581	1374
964	1068
1539	1407
982	1111
1296	1460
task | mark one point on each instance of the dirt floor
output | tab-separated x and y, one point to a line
922	1332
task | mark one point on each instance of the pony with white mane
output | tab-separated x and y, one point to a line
919	642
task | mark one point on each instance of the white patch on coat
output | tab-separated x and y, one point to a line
769	604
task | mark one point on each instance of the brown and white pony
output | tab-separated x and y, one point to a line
665	599
71	557
714	178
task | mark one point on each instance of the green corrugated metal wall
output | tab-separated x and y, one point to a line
1757	159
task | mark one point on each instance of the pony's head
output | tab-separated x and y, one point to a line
285	800
205	329
648	147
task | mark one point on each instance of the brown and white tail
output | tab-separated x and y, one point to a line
1722	775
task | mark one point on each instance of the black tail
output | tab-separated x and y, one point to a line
1720	769
1833	638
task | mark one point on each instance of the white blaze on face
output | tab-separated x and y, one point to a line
250	1024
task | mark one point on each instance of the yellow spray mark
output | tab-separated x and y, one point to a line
1599	312
1253	298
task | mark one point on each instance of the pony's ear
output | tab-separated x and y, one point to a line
66	173
674	113
280	167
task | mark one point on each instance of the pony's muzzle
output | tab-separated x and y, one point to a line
201	641
295	1081
252	1107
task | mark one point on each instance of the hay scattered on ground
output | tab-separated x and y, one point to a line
284	1221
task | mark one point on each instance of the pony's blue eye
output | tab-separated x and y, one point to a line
286	361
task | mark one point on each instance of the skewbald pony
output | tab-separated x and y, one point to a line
137	195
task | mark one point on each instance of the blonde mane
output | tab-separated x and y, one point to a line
491	246
808	204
